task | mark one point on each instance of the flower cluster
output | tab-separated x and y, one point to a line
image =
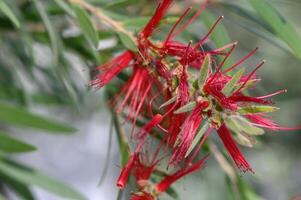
181	94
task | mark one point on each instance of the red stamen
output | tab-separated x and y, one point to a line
249	77
273	94
175	25
209	33
241	61
169	180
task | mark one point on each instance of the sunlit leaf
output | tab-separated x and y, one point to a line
19	116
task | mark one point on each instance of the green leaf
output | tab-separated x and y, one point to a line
172	193
19	116
121	4
168	102
135	22
86	25
246	191
280	26
230	86
62	4
256	109
127	41
240	124
2	197
11	145
197	138
32	177
54	38
9	13
22	190
186	108
204	71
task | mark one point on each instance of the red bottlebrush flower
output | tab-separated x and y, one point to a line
156	18
156	120
142	196
169	180
188	131
135	92
183	88
126	171
163	71
233	149
112	68
141	171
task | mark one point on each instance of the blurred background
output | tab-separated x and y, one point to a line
54	123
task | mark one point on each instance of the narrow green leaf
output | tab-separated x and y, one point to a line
54	38
135	22
246	191
11	145
127	41
247	14
230	86
186	108
204	71
138	23
33	177
18	116
240	124
121	4
279	25
62	4
240	135
172	193
9	13
168	102
21	189
256	109
86	25
197	138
